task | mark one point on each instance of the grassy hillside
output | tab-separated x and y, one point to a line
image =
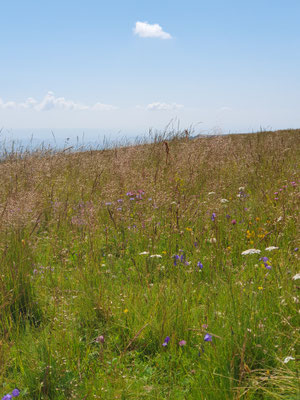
122	274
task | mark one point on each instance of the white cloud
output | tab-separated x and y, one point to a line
29	103
50	102
9	104
163	106
103	107
145	30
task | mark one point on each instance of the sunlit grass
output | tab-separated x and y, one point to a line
106	253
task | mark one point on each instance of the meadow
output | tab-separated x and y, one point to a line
164	270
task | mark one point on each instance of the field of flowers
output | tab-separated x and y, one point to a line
167	270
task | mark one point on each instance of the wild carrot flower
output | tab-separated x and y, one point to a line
250	251
287	359
296	277
271	248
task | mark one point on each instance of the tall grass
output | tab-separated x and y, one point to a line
106	253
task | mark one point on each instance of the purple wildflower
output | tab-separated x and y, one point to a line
182	343
7	397
176	257
296	249
264	259
166	341
233	221
213	216
15	392
207	338
227	216
268	266
199	265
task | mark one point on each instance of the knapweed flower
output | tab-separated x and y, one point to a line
213	216
100	339
296	277
208	338
233	221
271	248
182	343
199	265
250	251
166	341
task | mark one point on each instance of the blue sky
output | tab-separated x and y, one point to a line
231	65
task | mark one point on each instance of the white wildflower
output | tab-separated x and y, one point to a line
156	256
210	193
279	219
287	359
250	251
271	248
241	188
296	277
239	195
144	253
224	201
213	240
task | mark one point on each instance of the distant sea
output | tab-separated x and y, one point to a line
31	139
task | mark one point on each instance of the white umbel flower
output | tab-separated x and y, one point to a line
144	253
296	277
156	256
223	201
271	248
250	251
287	359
